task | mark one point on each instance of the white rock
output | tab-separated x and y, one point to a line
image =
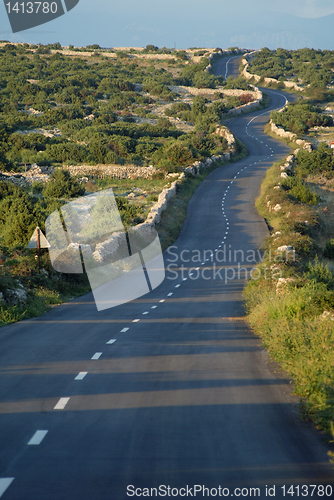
285	248
327	314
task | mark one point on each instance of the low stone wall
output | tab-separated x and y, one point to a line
246	62
118	171
181	89
245	108
289	135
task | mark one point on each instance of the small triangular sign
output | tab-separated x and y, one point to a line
43	242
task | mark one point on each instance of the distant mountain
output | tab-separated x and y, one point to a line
184	27
289	32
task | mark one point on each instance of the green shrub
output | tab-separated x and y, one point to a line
329	250
299	191
63	185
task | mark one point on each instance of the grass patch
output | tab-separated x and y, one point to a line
294	316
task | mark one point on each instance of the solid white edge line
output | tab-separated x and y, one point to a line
81	376
5	482
37	438
61	403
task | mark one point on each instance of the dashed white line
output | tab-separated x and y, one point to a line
81	376
154	307
61	403
124	330
170	294
5	482
146	312
177	286
163	300
111	341
37	438
97	355
135	320
184	279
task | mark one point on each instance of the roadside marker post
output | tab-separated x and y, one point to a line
38	241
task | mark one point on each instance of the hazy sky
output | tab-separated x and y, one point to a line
186	23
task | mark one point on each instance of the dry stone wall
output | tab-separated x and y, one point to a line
246	62
118	171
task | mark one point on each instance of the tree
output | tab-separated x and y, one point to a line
63	185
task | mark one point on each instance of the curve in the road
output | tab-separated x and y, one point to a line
172	389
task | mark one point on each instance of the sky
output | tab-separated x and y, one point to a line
290	24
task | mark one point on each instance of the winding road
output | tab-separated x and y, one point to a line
172	389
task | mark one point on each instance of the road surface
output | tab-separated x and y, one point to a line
172	389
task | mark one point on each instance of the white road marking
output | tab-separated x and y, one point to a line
170	294
81	376
185	279
146	312
124	330
61	403
97	355
163	300
111	341
197	268
5	482
135	320
177	286
38	437
154	307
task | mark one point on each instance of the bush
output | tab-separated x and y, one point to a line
299	191
63	185
329	250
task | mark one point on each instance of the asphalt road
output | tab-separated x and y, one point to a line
186	395
227	66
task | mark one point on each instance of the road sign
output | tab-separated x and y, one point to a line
38	240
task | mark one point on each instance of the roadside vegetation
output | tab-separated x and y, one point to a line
75	106
63	109
292	306
309	68
301	116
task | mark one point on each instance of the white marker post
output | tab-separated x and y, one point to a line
38	241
